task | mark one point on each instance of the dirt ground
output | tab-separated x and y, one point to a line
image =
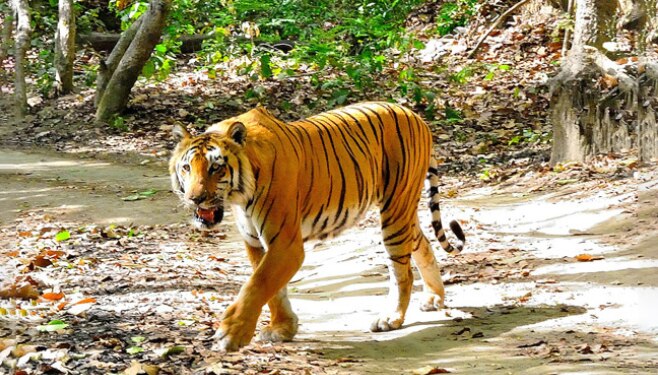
141	292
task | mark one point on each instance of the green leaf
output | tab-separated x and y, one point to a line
148	193
134	350
149	69
140	195
137	339
62	236
52	326
161	48
165	353
265	68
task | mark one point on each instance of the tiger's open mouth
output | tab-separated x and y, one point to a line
207	218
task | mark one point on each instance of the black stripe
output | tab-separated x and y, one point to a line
372	126
341	200
283	223
396	234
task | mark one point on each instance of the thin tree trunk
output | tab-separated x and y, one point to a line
108	67
7	28
648	113
65	48
116	93
23	32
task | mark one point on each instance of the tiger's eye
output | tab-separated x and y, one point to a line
186	167
215	167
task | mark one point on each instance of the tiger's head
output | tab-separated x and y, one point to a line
211	170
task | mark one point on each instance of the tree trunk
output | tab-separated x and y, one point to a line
22	11
593	22
65	48
596	107
7	28
648	106
115	95
108	67
586	119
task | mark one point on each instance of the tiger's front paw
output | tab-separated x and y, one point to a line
387	323
279	331
234	332
434	302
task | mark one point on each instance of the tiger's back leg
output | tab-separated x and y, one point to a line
283	321
398	240
430	272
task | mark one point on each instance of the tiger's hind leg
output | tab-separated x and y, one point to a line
399	245
423	257
283	322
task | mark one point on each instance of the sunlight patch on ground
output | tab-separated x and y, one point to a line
604	265
626	307
547	214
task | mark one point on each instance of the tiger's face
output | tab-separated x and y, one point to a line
209	171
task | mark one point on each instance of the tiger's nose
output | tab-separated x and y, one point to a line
198	199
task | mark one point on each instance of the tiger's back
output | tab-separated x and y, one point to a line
348	160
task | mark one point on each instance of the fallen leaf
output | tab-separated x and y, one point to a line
85	300
62	236
429	370
24	287
524	298
587	257
166	352
53	296
134	369
52	326
134	350
41	261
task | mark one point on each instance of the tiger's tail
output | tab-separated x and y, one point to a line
439	232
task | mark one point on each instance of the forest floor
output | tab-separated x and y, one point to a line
559	276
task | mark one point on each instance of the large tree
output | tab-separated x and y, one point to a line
595	104
65	48
120	71
23	32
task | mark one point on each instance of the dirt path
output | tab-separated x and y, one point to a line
85	191
519	301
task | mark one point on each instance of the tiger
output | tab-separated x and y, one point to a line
288	183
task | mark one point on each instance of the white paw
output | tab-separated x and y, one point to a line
387	323
433	302
280	332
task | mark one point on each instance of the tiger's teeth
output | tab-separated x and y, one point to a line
207	215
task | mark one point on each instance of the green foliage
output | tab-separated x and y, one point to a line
453	14
119	123
347	48
462	76
530	136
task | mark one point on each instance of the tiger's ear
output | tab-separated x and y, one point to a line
238	133
180	132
